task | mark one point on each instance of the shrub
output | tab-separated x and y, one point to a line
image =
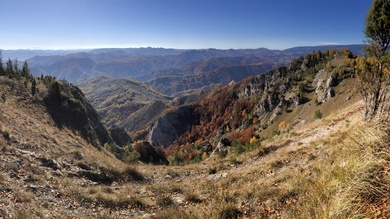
229	212
282	126
77	155
239	149
273	133
191	197
175	159
107	190
164	201
246	136
222	154
2	178
132	157
277	164
317	114
6	135
197	158
172	212
172	173
301	86
131	174
4	97
234	161
204	156
212	170
111	147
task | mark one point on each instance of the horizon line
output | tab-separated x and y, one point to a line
151	47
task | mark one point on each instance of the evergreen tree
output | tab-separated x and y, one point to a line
26	70
34	87
377	28
9	68
2	71
372	70
16	66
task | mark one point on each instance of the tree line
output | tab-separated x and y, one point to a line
23	75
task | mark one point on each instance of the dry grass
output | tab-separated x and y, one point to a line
336	167
317	172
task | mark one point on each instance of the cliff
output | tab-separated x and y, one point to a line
173	124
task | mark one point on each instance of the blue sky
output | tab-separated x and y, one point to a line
222	24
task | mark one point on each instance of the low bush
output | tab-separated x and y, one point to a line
317	114
164	201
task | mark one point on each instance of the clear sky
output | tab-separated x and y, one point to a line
187	24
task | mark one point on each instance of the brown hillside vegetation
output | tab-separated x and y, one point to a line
121	102
252	109
336	167
325	161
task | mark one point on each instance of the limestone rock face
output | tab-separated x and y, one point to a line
171	125
323	83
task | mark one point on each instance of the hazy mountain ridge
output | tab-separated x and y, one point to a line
221	75
24	54
118	63
208	65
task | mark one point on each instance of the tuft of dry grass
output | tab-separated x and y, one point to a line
172	212
192	198
164	201
229	212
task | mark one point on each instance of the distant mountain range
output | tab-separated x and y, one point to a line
222	75
24	54
148	63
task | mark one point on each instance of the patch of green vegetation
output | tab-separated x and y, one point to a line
222	154
318	114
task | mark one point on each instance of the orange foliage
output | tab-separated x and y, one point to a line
221	111
246	136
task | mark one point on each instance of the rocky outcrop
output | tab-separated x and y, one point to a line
323	83
221	146
68	107
120	137
171	125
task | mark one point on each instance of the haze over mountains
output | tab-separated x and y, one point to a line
145	64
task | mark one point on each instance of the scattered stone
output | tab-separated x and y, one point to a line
48	163
217	176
